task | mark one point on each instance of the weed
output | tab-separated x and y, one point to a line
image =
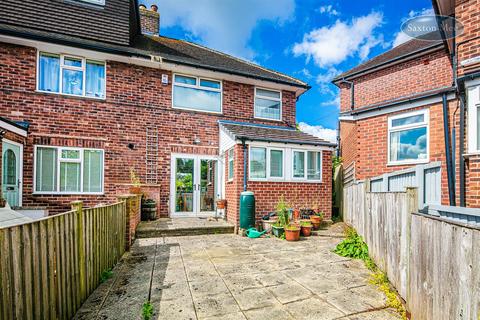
106	274
353	246
380	279
147	310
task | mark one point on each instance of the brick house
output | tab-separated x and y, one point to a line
416	104
96	93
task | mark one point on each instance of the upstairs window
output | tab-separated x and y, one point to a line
71	75
197	94
268	104
61	170
98	2
408	138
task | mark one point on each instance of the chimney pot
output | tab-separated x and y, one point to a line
154	7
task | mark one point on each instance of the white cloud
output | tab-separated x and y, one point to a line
329	10
324	80
401	37
223	25
331	45
334	102
319	131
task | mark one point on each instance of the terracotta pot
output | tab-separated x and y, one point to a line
3	202
315	219
292	235
306	231
135	190
296	214
316	225
221	204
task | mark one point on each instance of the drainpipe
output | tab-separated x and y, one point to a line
352	92
244	165
448	155
461	148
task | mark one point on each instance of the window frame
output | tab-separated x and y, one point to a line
197	86
232	159
268	176
391	129
96	2
267	98
305	166
62	66
473	88
60	160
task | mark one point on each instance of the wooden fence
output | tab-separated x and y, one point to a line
49	267
434	263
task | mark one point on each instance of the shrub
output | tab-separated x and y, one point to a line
353	246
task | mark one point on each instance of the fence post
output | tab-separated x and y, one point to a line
78	207
420	177
385	182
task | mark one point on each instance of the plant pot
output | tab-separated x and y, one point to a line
316	225
135	190
221	204
278	231
267	225
296	214
316	221
306	231
3	202
292	234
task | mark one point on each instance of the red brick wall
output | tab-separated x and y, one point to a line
468	42
426	73
348	142
136	99
267	194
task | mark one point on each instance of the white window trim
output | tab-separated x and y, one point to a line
472	104
305	166
197	86
267	98
425	123
60	78
97	2
59	160
228	164
268	177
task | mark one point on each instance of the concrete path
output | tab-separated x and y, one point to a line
229	277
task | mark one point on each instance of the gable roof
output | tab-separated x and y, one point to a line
403	51
259	132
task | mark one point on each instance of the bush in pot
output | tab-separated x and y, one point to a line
316	220
282	214
306	228
292	232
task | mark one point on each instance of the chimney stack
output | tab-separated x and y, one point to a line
149	20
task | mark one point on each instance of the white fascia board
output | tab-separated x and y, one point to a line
154	62
9	127
396	108
286	145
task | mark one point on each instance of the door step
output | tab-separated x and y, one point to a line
178	227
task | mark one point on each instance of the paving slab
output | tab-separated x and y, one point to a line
229	277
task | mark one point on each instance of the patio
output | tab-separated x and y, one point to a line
231	277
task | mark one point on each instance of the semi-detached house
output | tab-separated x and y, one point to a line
90	91
417	105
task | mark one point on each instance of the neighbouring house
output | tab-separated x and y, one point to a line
417	104
90	91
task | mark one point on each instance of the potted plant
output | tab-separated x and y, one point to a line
221	204
316	220
292	232
3	202
282	213
136	184
306	228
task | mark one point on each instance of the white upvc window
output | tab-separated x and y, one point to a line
66	170
268	104
307	165
230	164
266	163
196	93
473	104
408	138
71	75
98	2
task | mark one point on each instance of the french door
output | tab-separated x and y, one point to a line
194	185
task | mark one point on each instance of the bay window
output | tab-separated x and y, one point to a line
66	170
65	74
268	104
408	138
196	93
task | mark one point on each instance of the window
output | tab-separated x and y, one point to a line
473	103
268	104
408	138
307	165
230	164
99	2
68	170
266	163
198	94
71	75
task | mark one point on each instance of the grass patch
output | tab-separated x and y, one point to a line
147	311
106	274
354	247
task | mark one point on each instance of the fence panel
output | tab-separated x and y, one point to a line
50	266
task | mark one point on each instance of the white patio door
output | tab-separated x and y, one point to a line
12	172
194	184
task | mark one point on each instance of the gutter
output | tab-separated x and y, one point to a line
326	144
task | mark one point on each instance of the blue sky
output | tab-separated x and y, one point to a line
309	39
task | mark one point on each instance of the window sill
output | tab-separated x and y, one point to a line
197	110
267	119
66	95
69	193
285	181
406	163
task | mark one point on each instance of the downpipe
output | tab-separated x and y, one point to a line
448	154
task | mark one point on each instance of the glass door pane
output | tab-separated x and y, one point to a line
184	184
208	190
